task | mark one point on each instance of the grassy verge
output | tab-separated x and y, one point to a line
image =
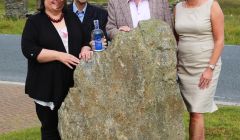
221	125
13	26
232	29
231	10
27	134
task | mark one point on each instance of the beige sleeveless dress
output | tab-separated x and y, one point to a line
195	48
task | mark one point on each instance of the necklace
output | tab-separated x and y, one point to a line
55	20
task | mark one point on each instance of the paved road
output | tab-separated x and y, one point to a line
12	63
13	67
229	83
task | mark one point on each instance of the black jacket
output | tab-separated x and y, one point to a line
93	13
49	81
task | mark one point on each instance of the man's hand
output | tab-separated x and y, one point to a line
104	43
124	29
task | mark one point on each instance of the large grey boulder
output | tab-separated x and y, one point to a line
128	92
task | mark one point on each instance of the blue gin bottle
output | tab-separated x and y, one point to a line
97	37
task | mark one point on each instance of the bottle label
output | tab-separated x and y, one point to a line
98	45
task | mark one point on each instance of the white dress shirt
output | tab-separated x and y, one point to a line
139	12
80	14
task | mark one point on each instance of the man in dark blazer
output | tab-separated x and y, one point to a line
87	13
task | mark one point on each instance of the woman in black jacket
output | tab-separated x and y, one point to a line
53	43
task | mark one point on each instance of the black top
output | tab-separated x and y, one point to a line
49	81
93	13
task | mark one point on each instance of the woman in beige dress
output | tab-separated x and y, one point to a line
199	26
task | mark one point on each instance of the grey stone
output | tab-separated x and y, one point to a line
128	92
15	8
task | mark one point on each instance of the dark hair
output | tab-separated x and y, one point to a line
41	7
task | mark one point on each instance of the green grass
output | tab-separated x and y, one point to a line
221	125
231	9
224	124
11	26
232	29
27	134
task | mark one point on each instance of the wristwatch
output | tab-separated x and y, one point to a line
211	66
